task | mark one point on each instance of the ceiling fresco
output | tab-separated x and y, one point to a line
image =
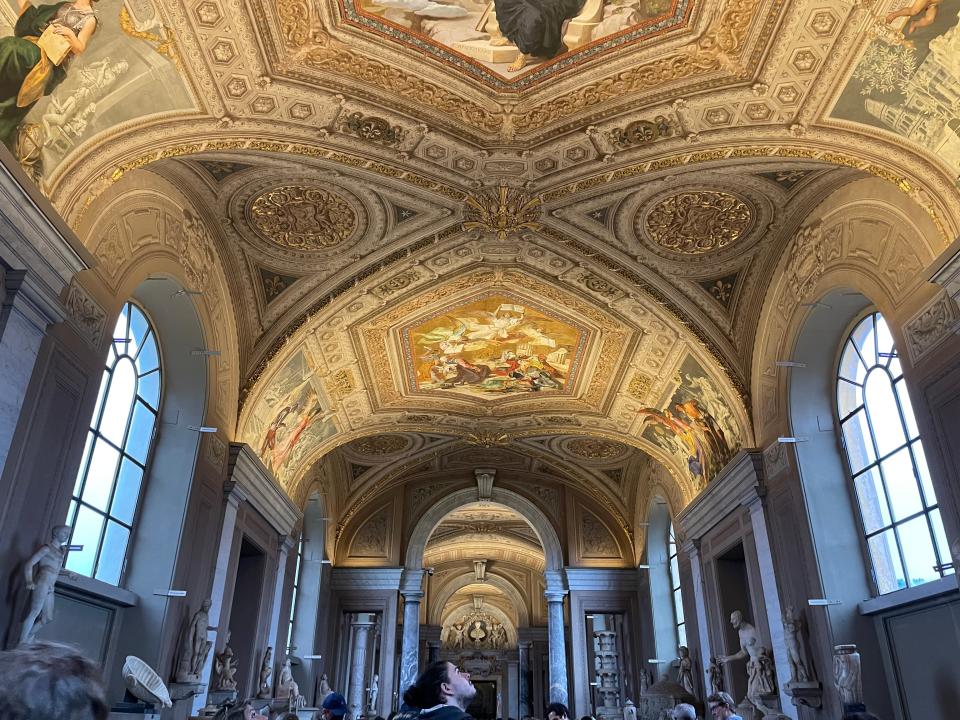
908	79
129	70
516	40
493	346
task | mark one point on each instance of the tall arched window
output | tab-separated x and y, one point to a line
679	619
295	592
898	508
110	479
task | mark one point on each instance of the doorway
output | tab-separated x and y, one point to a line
245	612
484	705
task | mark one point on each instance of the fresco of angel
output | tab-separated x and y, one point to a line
924	12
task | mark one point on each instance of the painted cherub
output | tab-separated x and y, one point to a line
927	8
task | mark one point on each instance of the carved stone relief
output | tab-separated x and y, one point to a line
595	539
371	539
931	326
85	313
303	217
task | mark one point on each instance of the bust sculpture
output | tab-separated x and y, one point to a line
194	647
266	670
225	667
47	561
760	679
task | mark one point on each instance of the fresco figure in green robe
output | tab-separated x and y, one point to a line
26	72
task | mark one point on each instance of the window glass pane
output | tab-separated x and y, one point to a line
863	336
902	485
873	501
941	537
924	472
882	409
907	408
71	513
149	389
678	606
674	572
849	397
120	331
917	547
84	461
886	562
141	431
100	396
148	359
682	635
138	328
884	341
112	553
851	367
116	410
856	434
103	469
86	532
127	493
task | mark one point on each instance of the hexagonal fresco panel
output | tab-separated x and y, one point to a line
493	346
485	38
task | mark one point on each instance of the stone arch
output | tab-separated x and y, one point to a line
462	581
428	522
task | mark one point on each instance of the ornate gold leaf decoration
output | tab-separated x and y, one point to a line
381	444
488	438
694	223
640	386
303	218
505	212
595	448
715	50
163	44
294	21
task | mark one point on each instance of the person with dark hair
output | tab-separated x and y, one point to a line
557	711
50	681
860	716
442	692
333	707
722	707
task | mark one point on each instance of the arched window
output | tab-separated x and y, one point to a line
110	478
675	588
905	539
295	592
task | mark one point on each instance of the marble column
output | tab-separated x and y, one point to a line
692	549
233	496
557	646
410	588
358	666
523	648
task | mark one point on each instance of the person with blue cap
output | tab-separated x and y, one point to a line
333	707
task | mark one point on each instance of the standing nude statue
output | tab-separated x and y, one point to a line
48	561
194	646
793	640
760	680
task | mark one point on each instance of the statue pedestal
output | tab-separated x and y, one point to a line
134	711
809	694
182	695
484	51
216	698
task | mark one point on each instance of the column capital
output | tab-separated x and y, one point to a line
411	583
285	544
555	596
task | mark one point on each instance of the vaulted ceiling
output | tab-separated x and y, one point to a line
419	244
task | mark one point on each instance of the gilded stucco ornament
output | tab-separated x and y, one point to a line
595	448
503	212
694	223
303	217
381	444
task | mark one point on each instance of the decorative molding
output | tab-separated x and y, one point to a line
261	489
85	314
938	319
697	222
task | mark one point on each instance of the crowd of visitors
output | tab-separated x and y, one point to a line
46	681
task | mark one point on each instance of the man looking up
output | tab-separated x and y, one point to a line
557	711
442	692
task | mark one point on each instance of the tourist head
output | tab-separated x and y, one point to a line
557	711
721	705
45	680
684	711
860	716
442	683
334	706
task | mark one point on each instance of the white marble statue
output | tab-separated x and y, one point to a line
325	688
194	646
685	669
793	641
41	572
715	673
846	674
266	670
374	691
760	680
225	667
460	635
498	636
286	685
644	681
